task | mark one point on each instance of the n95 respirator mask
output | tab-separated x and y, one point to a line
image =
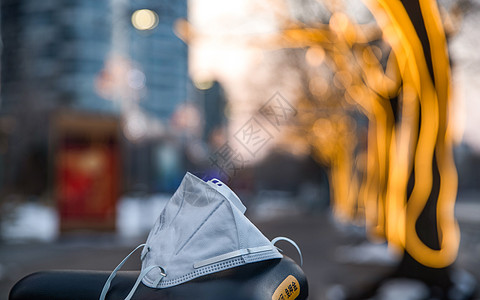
201	230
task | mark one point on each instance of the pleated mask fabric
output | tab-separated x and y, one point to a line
202	230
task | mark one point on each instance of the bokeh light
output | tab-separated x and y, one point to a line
203	85
144	19
315	56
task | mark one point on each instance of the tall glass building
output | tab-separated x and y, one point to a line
54	50
162	57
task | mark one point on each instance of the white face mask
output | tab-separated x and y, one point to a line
202	230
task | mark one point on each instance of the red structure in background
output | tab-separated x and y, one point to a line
86	158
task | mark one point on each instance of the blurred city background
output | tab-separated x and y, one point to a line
105	105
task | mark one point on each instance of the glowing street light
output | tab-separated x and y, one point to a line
144	19
203	85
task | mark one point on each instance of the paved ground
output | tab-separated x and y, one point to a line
336	258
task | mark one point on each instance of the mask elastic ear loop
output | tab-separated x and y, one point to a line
281	238
140	278
106	287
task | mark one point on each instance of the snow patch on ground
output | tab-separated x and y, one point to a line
403	289
38	222
30	221
366	253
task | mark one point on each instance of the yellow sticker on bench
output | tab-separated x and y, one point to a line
289	289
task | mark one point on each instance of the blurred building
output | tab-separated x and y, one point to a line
54	59
211	97
162	57
53	51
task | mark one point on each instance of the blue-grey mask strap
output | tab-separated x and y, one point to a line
106	287
140	278
281	238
